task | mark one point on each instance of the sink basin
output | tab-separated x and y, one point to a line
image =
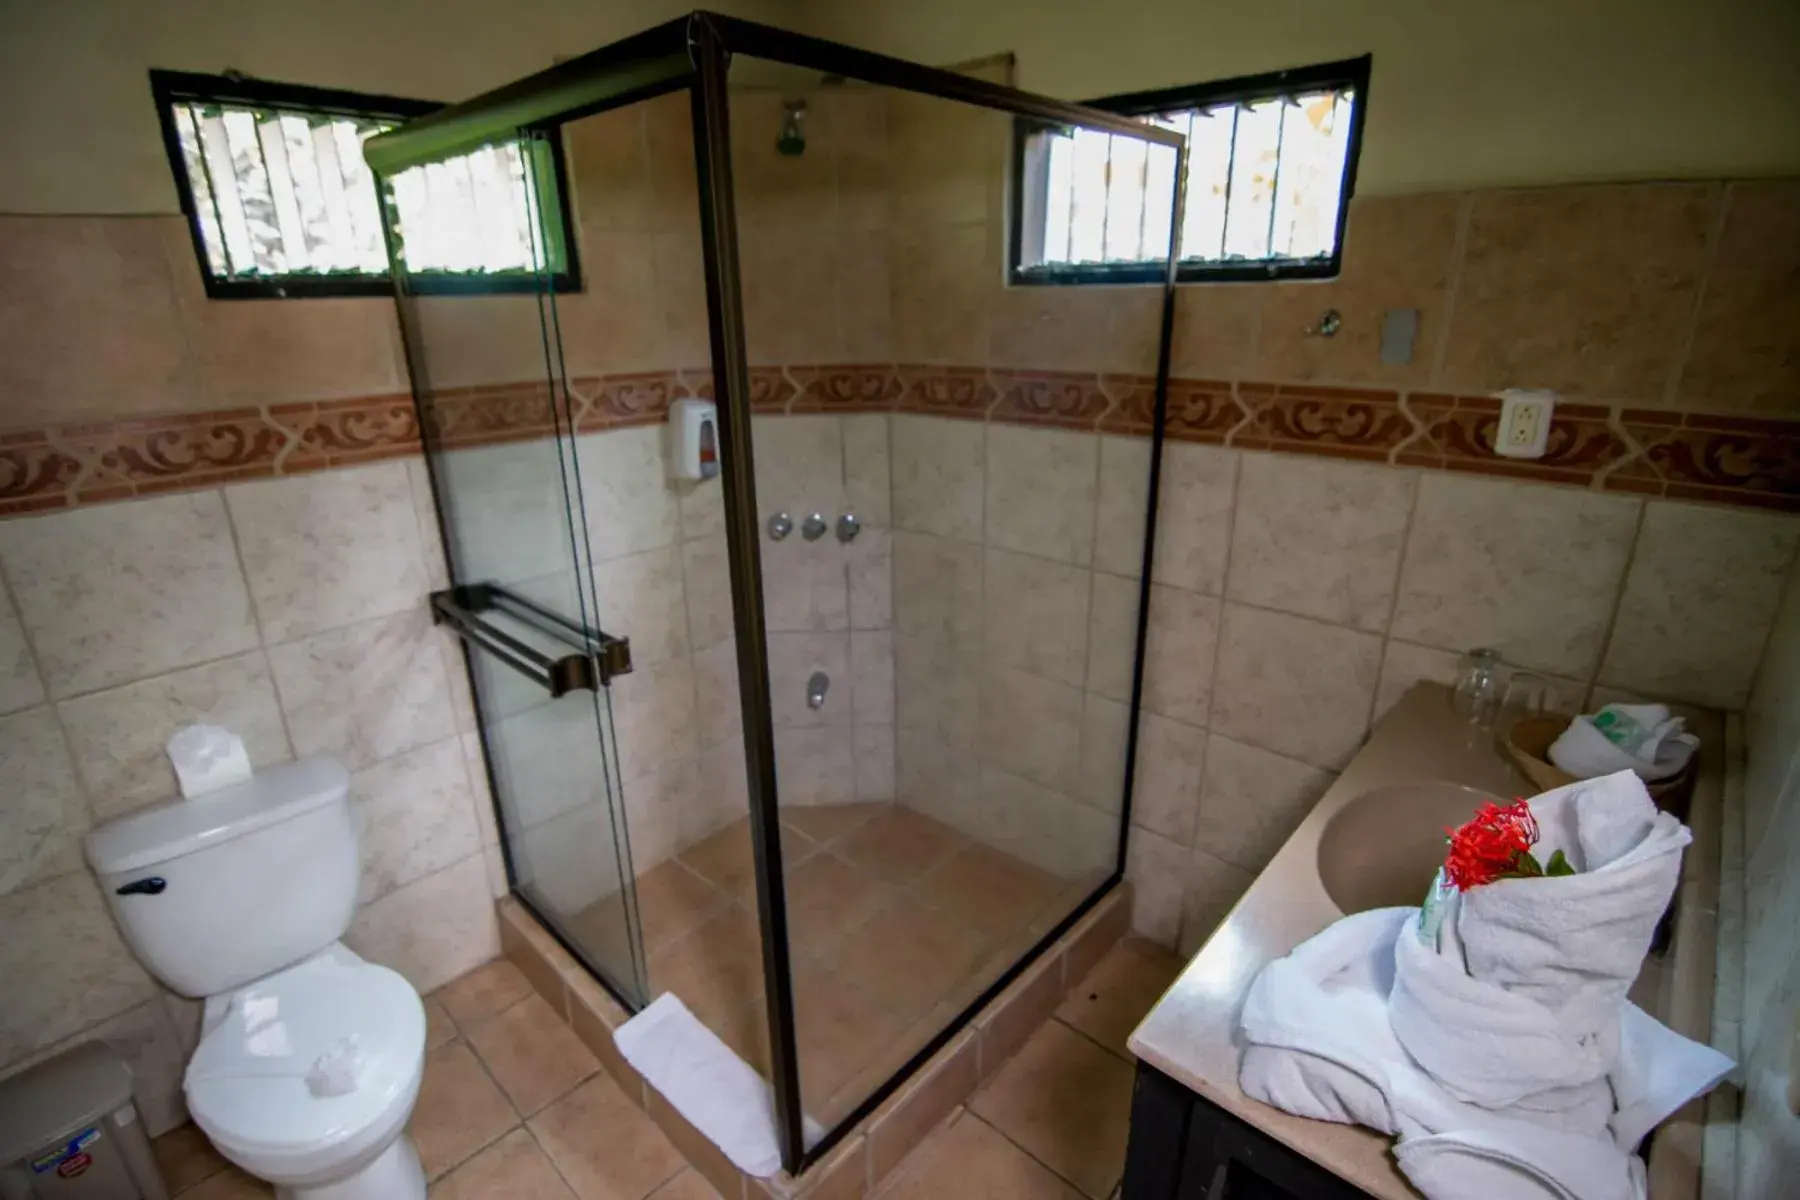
1382	848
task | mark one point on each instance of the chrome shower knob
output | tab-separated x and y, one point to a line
848	527
813	528
780	525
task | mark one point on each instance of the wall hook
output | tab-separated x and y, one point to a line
1329	322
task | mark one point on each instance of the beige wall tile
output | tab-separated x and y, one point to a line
470	340
1178	654
1105	738
625	495
1158	870
706	582
1398	252
805	584
119	592
1043	826
46	813
642	598
548	759
1404	664
939	476
1320	538
90	324
1699	601
681	285
1586	290
60	938
717	713
872	677
1530	571
1037	615
653	714
789	285
365	692
1193	523
431	540
328	549
609	170
20	686
937	690
119	736
1772	722
938	588
1216	328
800	466
943	279
1031	726
815	766
1252	801
1041	488
269	351
507	517
868	483
433	929
1295	686
1165	794
865	296
874	751
869	564
1112	636
415	815
1052	328
1212	888
1743	355
616	322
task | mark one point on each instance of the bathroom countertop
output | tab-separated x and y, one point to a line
1189	1035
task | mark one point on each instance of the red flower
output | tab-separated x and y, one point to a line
1495	844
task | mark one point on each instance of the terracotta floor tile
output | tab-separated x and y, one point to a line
716	968
838	1030
727	860
230	1184
185	1157
604	1145
439	1028
460	1110
908	956
1119	991
991	890
689	1185
513	1168
532	1053
827	898
1067	1103
970	1161
745	1029
673	900
483	992
825	823
900	845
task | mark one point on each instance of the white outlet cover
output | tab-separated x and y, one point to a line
1524	430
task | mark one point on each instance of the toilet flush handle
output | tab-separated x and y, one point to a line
155	885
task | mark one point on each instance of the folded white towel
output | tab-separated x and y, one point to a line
719	1093
1318	1043
1642	738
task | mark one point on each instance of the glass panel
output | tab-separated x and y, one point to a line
498	418
950	685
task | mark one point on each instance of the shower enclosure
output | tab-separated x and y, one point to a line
833	739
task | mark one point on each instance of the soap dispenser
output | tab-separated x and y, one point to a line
693	438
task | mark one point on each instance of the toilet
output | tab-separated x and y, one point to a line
309	1057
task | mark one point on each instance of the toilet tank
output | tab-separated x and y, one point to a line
214	892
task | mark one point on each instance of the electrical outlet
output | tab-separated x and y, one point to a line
1524	430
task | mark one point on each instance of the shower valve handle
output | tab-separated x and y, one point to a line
813	528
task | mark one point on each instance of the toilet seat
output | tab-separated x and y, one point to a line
310	1066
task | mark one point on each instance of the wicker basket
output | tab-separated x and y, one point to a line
1528	745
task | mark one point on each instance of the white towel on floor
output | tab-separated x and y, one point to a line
1318	1043
719	1093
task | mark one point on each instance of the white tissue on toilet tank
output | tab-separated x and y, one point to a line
207	758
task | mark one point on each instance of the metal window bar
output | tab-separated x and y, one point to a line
1287	102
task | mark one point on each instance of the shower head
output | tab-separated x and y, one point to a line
790	141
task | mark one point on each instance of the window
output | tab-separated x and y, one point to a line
1271	163
280	202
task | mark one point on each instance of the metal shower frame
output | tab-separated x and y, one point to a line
694	52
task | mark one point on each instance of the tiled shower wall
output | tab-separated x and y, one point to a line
1759	988
287	610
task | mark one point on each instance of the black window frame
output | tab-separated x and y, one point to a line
169	88
1352	73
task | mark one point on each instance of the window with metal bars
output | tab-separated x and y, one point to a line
281	204
1270	167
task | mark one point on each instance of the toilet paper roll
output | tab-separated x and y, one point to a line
207	758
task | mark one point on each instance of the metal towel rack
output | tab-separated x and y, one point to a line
599	657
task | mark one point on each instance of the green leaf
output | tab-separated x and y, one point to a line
1559	865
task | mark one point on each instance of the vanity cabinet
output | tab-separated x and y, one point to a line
1184	1147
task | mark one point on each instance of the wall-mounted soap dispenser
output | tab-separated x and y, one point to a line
693	438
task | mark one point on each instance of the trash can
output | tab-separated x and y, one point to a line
69	1131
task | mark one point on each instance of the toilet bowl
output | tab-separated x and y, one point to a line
309	1058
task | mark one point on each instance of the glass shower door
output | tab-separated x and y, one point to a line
498	428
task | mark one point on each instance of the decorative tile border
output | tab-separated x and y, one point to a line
1747	461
